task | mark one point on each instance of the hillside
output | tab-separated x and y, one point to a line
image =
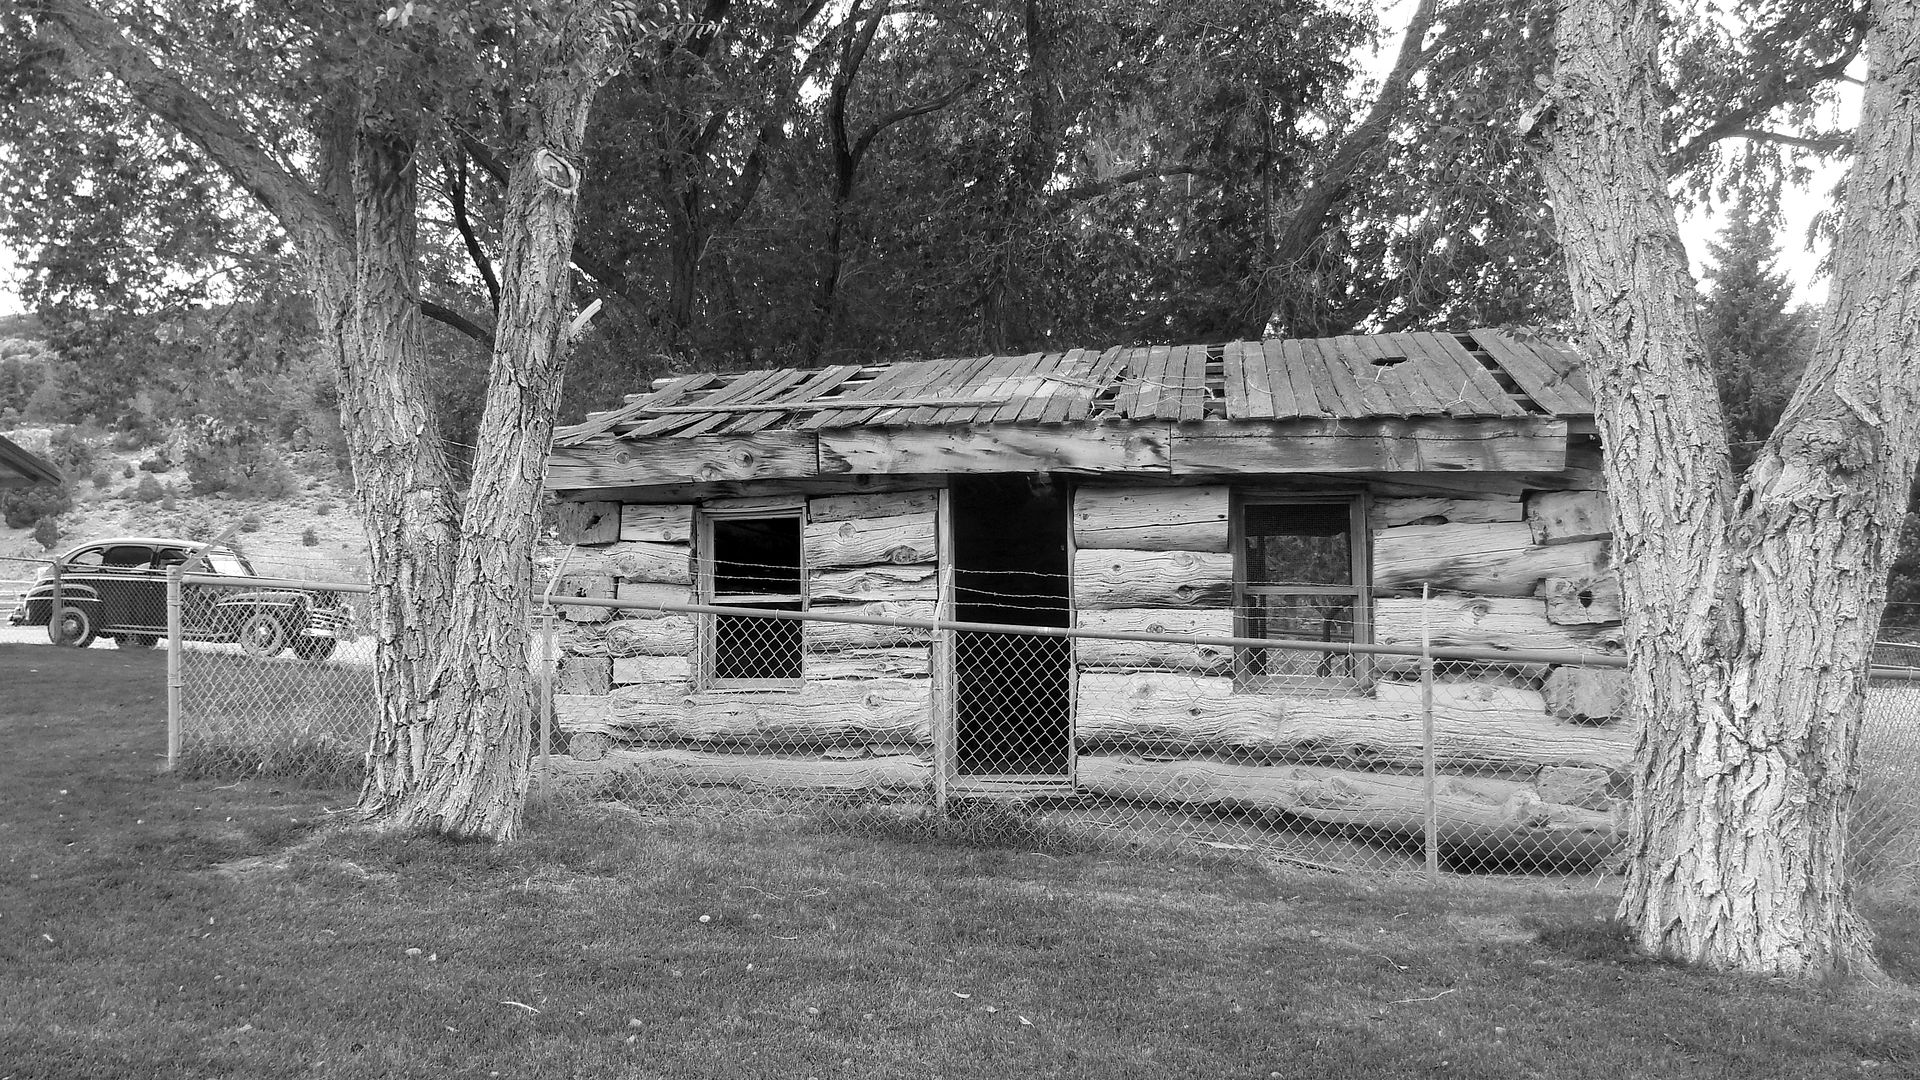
274	532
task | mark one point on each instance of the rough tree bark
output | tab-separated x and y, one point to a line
449	601
1750	611
470	778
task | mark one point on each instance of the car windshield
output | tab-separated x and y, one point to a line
228	563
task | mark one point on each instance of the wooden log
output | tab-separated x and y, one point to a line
1407	669
668	672
994	449
1440	510
656	524
1492	558
826	636
584	675
1474	815
670	635
1587	695
1152	519
1463	696
1097	654
1181	714
1488	622
908	662
595	586
1369	445
637	560
870	584
651	592
1106	579
877	505
900	540
587	522
606	462
1565	517
1589	789
897	774
1582	601
822	713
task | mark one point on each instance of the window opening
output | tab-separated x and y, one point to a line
1300	573
753	562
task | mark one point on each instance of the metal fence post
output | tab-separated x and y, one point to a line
175	679
1426	722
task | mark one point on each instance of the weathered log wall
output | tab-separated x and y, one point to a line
1533	752
634	676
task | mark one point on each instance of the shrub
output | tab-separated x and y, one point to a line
160	462
323	509
250	523
128	470
102	478
150	489
22	507
167	504
310	538
70	452
46	532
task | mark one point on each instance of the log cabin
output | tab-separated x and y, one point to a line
1296	489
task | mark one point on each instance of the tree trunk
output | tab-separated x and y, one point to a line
1749	614
365	296
479	736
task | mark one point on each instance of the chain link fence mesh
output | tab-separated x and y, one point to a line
1171	733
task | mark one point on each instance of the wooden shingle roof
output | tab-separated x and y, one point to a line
1478	374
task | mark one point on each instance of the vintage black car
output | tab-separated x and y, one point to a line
117	589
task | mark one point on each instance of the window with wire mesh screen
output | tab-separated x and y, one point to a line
1300	573
751	561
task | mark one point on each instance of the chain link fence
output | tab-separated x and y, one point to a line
878	717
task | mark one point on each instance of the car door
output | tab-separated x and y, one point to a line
133	597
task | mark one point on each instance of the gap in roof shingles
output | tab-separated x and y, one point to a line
1508	384
1215	405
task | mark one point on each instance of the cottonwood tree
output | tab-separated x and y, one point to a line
450	578
1751	607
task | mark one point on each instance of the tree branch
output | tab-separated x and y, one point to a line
449	317
227	142
1769	96
457	198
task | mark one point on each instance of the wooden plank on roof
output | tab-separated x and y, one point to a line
1570	362
960	379
1184	391
1071	382
1045	387
1356	379
607	421
998	448
1540	379
609	462
1286	374
1099	376
1133	378
1014	381
822	381
738	387
1477	387
1333	384
897	380
1403	375
1234	372
1350	445
770	392
1153	383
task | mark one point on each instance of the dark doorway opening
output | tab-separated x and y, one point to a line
1013	707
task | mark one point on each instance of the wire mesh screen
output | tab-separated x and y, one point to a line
1172	732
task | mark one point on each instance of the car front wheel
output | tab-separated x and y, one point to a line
263	635
73	628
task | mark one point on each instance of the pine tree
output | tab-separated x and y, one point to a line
1757	344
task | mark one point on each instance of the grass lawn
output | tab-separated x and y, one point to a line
153	927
